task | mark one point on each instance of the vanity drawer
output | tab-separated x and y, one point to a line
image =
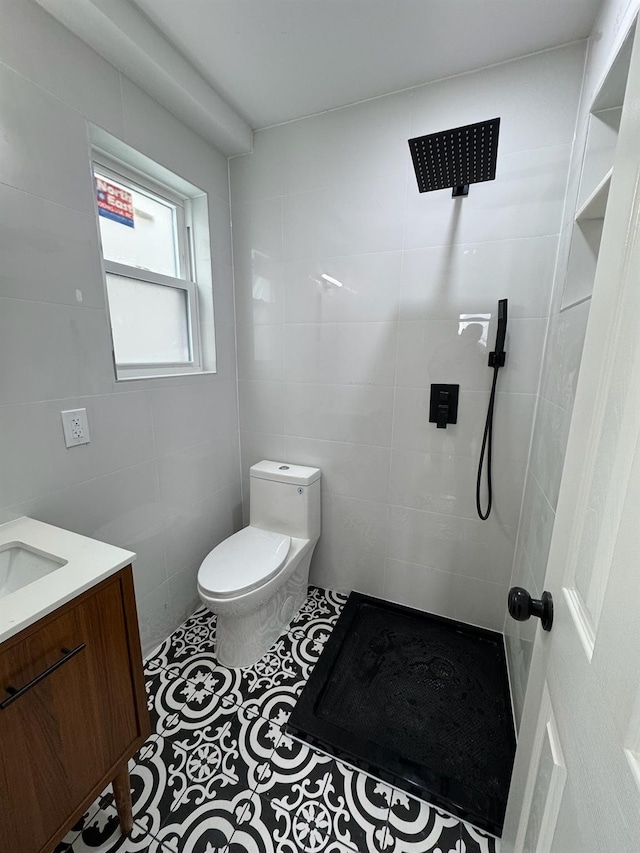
72	712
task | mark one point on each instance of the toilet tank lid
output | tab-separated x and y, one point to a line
299	475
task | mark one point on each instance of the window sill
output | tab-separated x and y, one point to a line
167	376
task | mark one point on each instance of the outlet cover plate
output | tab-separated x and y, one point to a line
75	426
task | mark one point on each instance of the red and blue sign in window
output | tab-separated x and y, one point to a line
114	202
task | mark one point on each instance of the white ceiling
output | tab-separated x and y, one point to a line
276	60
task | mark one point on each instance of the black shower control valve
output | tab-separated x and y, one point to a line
522	606
443	406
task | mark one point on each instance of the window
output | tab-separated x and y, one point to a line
146	251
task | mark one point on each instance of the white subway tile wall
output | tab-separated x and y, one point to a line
338	375
161	474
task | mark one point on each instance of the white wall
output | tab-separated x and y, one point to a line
340	378
161	474
563	352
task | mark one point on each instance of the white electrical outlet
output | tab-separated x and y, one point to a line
75	426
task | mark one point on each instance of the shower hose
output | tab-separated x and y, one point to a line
487	441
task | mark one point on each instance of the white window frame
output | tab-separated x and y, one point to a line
124	174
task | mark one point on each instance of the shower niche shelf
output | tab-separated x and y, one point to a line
585	244
595	206
595	179
602	137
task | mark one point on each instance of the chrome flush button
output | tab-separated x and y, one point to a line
283	468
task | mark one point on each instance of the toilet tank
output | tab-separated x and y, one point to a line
285	498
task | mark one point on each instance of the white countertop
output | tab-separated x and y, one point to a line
88	563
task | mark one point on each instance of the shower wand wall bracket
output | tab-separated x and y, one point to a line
497	359
443	405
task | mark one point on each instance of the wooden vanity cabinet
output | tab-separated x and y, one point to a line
72	732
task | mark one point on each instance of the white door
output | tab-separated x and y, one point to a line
576	780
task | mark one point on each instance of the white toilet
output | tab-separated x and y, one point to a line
256	580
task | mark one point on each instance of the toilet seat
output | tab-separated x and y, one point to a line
243	562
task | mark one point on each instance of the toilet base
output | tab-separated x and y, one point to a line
243	640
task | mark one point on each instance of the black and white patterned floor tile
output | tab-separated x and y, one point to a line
360	808
321	606
414	825
195	636
293	766
309	802
271	686
218	774
65	845
474	841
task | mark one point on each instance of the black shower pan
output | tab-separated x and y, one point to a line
420	701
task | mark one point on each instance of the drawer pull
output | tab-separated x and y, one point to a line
16	694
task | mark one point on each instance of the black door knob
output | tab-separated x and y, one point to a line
522	606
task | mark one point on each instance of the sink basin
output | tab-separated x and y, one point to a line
21	565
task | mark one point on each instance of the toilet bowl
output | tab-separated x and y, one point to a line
256	580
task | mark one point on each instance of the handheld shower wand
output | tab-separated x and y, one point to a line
497	357
496	360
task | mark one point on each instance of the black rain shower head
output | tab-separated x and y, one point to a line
457	157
